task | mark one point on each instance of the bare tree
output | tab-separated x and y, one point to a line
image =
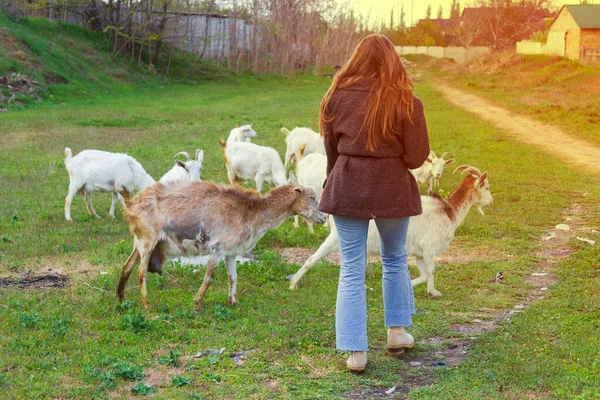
504	22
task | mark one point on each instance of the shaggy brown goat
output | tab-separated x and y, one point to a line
182	218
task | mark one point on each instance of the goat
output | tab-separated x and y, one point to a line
182	218
101	171
431	170
311	171
242	133
189	169
429	234
248	161
298	137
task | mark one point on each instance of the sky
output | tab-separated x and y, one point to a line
381	9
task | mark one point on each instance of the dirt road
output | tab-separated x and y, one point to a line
550	139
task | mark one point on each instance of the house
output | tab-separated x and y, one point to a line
575	33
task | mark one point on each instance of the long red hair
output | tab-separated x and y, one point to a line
389	99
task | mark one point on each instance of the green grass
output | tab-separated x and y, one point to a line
78	342
554	90
71	62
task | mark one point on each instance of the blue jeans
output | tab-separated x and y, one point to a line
398	297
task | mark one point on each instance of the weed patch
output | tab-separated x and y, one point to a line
141	389
177	381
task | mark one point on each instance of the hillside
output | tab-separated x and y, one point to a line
555	90
43	60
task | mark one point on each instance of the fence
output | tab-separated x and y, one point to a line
208	35
458	54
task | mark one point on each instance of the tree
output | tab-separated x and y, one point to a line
392	20
425	33
500	24
402	22
428	12
455	10
440	13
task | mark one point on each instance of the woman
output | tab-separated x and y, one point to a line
374	131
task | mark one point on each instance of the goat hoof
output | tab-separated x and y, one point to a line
435	294
198	306
234	303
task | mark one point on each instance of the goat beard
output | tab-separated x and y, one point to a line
480	209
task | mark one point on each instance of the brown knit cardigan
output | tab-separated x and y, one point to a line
362	184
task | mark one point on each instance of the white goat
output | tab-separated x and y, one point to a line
431	171
250	162
298	137
188	170
242	133
311	170
101	171
183	218
429	234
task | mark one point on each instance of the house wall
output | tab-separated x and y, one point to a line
572	44
564	22
590	37
555	44
590	46
563	37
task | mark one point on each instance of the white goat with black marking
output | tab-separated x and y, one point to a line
429	234
100	171
298	137
431	171
188	170
183	218
243	133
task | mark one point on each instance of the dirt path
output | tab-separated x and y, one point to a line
550	139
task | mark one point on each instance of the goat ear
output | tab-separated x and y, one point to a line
199	155
301	150
450	161
180	163
480	181
293	180
429	160
299	189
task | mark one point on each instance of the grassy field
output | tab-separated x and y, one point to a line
554	90
78	342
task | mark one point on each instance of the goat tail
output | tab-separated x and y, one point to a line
285	130
68	155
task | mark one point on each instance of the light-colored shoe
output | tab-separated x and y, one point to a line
357	362
399	340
